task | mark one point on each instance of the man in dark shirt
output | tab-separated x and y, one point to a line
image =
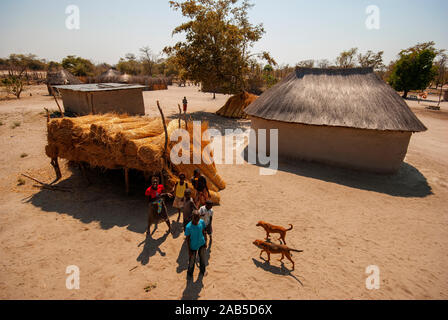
200	185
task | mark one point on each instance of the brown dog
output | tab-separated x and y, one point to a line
269	228
275	249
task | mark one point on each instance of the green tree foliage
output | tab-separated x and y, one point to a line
219	38
129	65
414	69
13	84
78	66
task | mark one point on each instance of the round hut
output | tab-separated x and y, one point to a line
60	77
344	117
110	76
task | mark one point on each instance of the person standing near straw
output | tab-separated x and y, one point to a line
200	185
206	214
189	208
157	206
179	194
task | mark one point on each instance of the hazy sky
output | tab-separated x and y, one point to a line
296	29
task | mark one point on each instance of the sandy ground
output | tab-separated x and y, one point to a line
343	220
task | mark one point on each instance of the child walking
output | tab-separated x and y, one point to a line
206	214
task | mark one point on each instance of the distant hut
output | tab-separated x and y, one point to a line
60	77
343	117
110	76
234	107
100	98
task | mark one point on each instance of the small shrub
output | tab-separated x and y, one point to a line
24	155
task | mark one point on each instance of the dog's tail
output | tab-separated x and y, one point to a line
294	250
290	228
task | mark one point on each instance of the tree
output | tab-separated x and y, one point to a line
17	66
414	69
219	38
442	73
324	63
13	84
148	60
347	59
78	66
306	64
129	65
372	59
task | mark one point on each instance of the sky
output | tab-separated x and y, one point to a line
295	29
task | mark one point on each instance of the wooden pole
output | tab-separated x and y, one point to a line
55	99
164	126
57	170
180	115
126	180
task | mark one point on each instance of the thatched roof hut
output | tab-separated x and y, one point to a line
347	117
110	76
61	77
234	107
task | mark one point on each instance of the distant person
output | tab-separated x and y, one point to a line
197	243
179	194
200	185
157	208
189	208
206	214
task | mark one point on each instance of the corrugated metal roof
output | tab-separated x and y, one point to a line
99	87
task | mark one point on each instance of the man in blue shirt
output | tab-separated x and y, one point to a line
196	240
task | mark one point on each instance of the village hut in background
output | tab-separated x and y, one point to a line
234	107
100	98
110	76
343	117
60	77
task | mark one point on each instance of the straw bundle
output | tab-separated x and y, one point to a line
234	107
118	141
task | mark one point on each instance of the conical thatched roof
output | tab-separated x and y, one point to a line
61	77
111	75
354	98
234	107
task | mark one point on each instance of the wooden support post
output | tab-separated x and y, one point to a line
57	170
126	179
180	115
164	126
55	99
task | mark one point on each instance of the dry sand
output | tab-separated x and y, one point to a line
344	220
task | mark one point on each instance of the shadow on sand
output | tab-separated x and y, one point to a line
283	271
408	182
105	202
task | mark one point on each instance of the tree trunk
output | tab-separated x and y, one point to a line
405	94
214	95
